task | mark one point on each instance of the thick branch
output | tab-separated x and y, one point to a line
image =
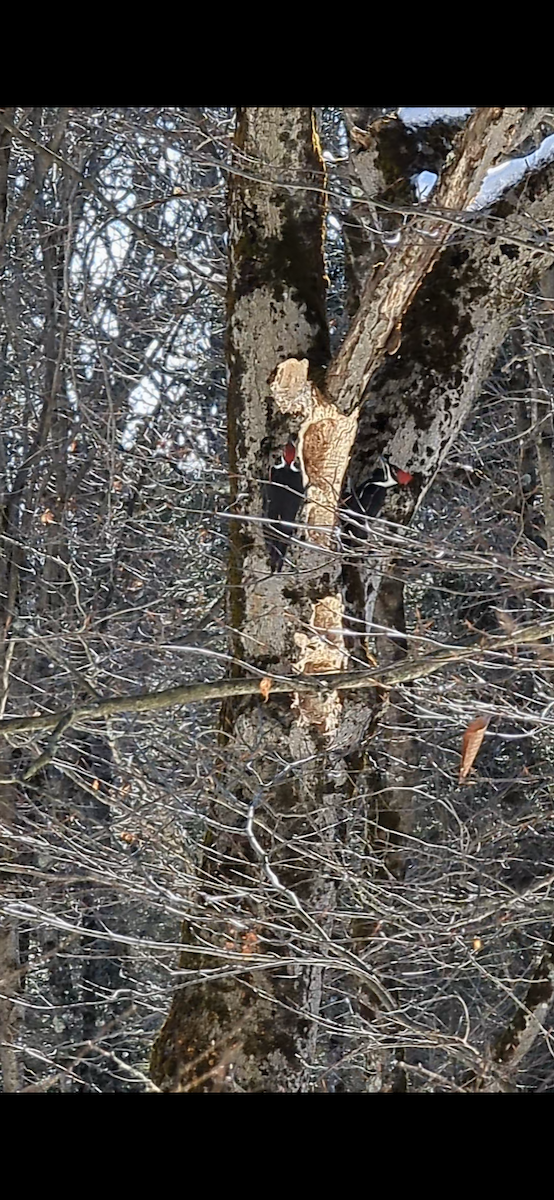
519	1036
5	140
404	672
392	287
516	1040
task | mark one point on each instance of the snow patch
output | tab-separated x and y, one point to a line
427	116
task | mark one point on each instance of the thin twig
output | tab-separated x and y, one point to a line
403	672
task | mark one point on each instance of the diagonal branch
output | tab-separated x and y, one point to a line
403	672
391	288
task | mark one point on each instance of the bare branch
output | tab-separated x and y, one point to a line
88	186
404	672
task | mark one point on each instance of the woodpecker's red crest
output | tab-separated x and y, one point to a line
368	498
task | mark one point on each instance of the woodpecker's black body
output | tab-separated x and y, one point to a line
366	501
283	496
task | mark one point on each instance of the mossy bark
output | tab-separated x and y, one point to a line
256	960
255	1029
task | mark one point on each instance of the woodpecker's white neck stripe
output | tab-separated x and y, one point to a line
282	462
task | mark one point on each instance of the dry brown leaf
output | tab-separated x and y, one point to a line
471	744
266	685
250	942
130	838
47	517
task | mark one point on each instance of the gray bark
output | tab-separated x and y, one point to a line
257	1032
440	313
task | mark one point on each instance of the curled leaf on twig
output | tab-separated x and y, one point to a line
471	744
266	685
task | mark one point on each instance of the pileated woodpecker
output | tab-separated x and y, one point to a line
367	500
283	496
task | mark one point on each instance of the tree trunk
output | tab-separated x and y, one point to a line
272	953
256	1030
